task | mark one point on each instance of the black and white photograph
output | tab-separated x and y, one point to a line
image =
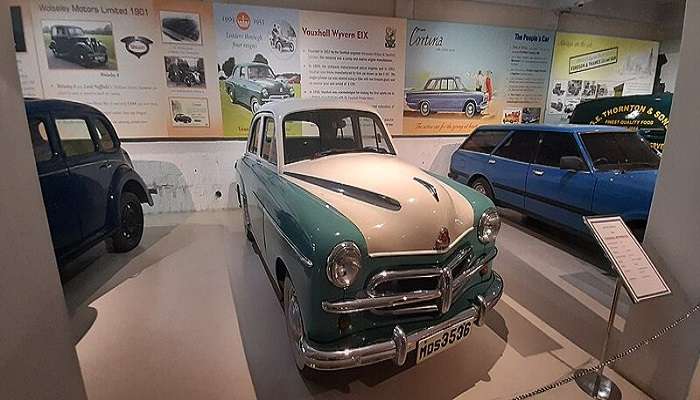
180	27
79	44
184	72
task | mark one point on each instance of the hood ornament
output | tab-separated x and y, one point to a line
443	239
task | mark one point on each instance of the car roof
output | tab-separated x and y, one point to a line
56	105
252	64
442	77
284	107
555	128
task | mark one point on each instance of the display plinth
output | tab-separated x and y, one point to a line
599	387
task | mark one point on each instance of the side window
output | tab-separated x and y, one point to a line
103	136
242	72
234	73
269	148
483	141
75	136
40	139
371	133
343	129
432	84
451	84
253	137
520	146
443	84
554	146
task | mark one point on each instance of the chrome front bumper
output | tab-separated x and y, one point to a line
398	347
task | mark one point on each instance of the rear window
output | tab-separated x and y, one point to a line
483	141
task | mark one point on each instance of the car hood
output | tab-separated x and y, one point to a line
399	208
272	85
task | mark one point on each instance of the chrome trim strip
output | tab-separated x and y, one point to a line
304	260
399	345
422	252
370	303
428	186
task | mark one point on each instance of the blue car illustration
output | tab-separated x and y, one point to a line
446	94
560	173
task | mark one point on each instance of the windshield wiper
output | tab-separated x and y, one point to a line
367	149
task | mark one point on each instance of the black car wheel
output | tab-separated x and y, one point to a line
291	47
279	46
482	186
254	104
130	230
188	81
424	108
470	109
295	324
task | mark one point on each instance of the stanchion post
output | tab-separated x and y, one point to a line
599	386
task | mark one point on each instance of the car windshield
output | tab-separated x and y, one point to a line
320	133
620	150
260	72
75	31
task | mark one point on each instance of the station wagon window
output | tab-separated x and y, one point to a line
554	146
269	148
103	135
253	143
520	146
40	140
314	134
484	141
75	136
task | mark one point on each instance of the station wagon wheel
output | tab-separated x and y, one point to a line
130	224
254	104
482	186
424	108
470	109
295	325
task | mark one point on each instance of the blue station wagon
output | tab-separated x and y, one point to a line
90	189
559	173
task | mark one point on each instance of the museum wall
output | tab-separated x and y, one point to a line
199	175
32	307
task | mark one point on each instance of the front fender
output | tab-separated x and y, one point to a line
125	178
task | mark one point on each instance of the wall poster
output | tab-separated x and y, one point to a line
461	76
586	67
266	54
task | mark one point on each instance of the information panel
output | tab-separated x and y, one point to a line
639	275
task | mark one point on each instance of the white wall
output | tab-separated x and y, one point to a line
37	356
188	174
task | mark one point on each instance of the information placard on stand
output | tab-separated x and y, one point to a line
639	275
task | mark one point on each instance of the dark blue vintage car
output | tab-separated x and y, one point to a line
91	191
446	94
560	173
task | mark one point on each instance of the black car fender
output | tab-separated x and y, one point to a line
126	178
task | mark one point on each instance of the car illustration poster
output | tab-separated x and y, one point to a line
261	45
587	67
461	76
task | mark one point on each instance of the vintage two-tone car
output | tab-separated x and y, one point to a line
560	173
254	84
71	43
90	188
372	257
446	94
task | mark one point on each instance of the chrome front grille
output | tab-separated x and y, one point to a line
414	291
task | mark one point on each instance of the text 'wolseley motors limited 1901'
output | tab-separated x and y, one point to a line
373	257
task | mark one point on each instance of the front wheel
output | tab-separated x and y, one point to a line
130	229
254	104
295	325
424	108
470	109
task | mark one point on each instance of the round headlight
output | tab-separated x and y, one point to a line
265	92
344	264
489	225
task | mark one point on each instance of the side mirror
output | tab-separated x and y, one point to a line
572	163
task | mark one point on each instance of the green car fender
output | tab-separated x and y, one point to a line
308	229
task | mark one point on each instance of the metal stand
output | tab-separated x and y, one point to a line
598	386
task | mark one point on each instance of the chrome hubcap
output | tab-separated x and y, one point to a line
480	188
424	108
295	328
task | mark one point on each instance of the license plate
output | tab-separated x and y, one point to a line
442	340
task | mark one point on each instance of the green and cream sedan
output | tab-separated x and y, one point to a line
372	257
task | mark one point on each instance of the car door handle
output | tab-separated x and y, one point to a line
106	165
538	172
492	161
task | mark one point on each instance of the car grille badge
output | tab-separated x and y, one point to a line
443	239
